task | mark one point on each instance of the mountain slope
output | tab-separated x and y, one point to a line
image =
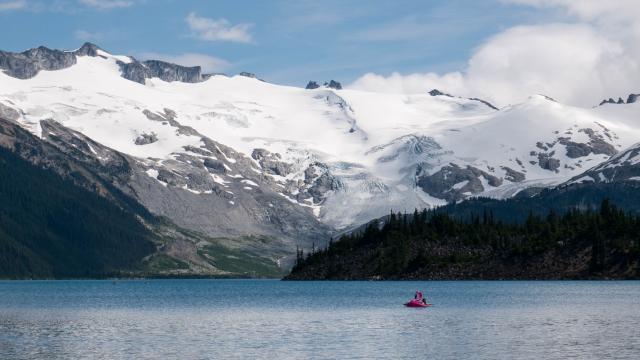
50	227
623	167
83	163
236	156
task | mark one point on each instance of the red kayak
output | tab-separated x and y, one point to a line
416	303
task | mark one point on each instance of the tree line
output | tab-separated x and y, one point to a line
406	242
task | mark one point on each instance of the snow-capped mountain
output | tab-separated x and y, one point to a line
624	166
235	156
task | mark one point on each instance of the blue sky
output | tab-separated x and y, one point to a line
286	42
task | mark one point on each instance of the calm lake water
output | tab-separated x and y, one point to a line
264	319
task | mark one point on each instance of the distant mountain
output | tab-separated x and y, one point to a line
269	168
632	98
332	84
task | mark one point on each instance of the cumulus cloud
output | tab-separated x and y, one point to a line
218	30
208	63
579	62
107	4
12	5
411	83
591	10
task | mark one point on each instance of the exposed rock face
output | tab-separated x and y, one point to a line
625	166
436	92
576	150
332	84
548	97
454	183
27	64
271	162
214	165
72	156
513	175
169	117
630	99
139	71
312	85
596	145
133	71
547	162
9	113
244	201
145	139
318	181
87	49
172	72
248	74
607	101
484	102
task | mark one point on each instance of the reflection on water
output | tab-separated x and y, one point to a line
199	319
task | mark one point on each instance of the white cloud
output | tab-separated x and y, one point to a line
218	30
411	83
208	63
87	35
13	5
575	62
591	10
107	4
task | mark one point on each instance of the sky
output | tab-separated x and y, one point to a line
503	50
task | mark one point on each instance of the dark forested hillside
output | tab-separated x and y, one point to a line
577	244
50	227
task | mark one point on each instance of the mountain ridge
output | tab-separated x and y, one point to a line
236	157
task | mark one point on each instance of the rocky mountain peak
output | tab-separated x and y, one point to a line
88	49
331	84
436	92
312	85
28	63
247	74
630	99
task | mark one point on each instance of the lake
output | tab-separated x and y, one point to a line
269	319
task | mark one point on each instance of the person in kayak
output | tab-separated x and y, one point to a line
420	297
418	301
